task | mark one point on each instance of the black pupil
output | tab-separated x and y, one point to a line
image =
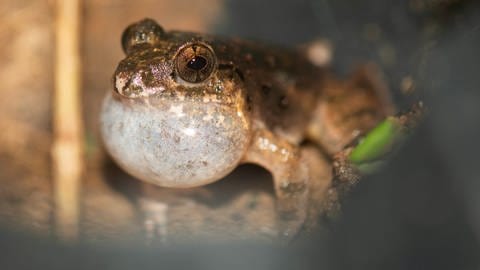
197	63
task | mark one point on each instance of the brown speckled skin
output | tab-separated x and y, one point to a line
279	86
272	99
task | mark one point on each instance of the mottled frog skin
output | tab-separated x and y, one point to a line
186	109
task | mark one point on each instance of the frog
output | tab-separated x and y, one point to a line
186	109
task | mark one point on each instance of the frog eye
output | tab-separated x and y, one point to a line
195	62
146	31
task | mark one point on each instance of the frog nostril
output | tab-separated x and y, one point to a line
283	102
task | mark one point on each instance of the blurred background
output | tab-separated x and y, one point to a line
421	211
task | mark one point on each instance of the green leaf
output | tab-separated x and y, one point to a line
377	142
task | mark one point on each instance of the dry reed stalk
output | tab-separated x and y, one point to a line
67	149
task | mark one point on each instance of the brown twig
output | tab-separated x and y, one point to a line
68	129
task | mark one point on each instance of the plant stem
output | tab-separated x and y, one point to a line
67	121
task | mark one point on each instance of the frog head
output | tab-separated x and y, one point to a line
174	118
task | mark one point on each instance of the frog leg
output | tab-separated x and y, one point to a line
320	171
369	154
290	177
347	109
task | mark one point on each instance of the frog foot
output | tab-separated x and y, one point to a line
367	153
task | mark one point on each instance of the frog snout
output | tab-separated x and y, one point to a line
133	81
175	144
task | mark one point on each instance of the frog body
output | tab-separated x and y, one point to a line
187	109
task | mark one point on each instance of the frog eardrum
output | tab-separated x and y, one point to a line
195	62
